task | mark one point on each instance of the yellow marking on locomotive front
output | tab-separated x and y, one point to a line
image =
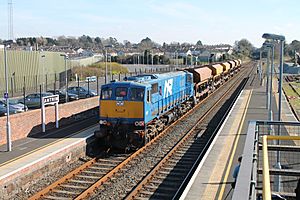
121	109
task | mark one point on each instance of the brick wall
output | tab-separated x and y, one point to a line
29	123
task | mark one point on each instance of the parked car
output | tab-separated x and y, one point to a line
62	96
91	79
14	107
81	92
34	100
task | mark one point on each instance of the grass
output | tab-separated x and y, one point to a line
292	96
98	69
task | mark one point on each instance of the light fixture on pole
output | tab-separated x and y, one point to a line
66	74
43	69
270	79
281	39
8	130
105	47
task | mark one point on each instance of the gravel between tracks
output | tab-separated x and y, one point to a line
50	178
124	182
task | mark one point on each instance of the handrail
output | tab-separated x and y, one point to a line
247	172
266	172
266	175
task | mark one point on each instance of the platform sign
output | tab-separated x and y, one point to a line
5	95
49	100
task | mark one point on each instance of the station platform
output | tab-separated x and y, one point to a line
214	175
30	157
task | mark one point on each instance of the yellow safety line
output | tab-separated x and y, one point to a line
42	147
266	175
234	148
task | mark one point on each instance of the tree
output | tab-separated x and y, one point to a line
242	48
146	43
62	40
291	48
199	43
98	40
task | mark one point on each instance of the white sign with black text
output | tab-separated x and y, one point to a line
49	100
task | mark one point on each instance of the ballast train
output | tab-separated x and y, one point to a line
135	110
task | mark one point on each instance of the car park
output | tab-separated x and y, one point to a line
14	107
34	100
62	95
81	92
91	79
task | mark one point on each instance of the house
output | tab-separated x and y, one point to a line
78	50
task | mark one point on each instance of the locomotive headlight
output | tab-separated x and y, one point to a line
139	123
103	122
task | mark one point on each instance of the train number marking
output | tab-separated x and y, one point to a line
168	88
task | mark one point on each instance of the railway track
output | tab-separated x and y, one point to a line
116	180
170	174
294	110
82	178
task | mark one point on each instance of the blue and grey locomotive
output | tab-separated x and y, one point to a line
134	111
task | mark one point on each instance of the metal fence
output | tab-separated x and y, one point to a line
281	157
22	86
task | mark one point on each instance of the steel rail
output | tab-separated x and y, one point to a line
160	165
116	169
62	180
108	176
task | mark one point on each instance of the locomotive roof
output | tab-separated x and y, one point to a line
126	83
145	79
149	78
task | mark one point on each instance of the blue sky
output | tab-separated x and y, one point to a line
212	22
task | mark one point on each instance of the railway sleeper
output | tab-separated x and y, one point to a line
101	161
165	177
105	164
141	198
179	164
88	177
94	172
173	169
81	181
56	198
65	192
73	186
172	173
161	195
145	192
166	187
107	168
183	156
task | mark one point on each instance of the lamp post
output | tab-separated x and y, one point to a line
176	53
152	58
281	39
106	71
270	79
66	73
110	68
43	68
8	130
105	66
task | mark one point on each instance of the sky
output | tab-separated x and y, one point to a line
212	22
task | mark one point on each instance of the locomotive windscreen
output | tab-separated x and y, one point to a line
136	94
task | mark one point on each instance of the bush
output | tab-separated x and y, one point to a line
98	69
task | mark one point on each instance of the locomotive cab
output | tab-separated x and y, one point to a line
122	112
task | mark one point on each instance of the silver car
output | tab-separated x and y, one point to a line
34	100
14	107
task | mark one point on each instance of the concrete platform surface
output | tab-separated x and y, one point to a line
213	177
